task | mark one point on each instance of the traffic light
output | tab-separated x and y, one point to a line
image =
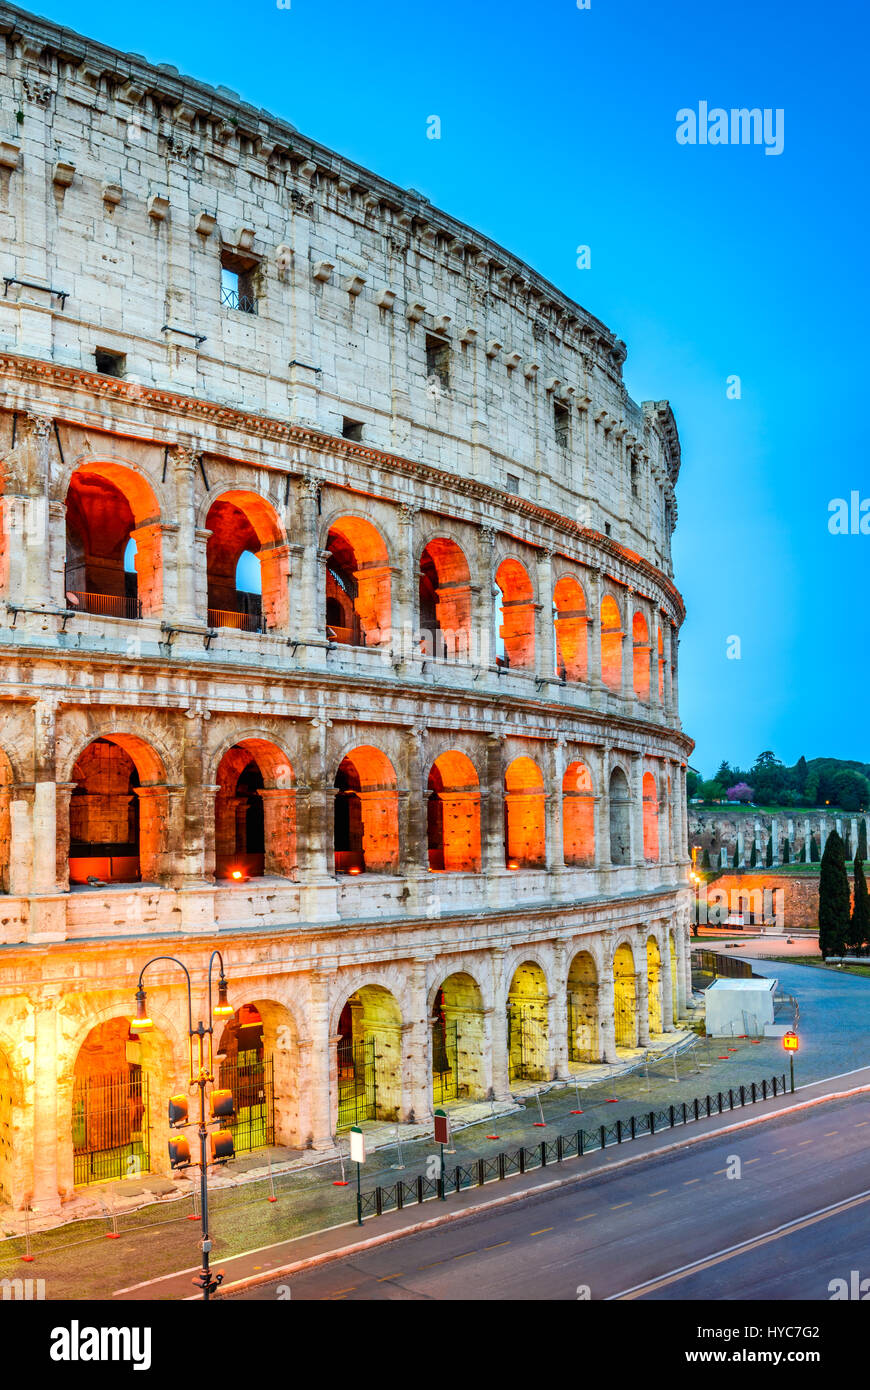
222	1146
222	1105
179	1152
178	1110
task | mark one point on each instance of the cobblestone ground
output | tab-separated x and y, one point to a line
834	1027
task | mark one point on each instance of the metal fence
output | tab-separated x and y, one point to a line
476	1173
527	1044
110	1126
708	965
252	1085
445	1061
357	1082
105	605
244	622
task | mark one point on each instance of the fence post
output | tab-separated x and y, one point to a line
480	1177
501	1167
400	1190
560	1153
543	1153
631	1122
603	1136
743	1095
697	1109
619	1131
684	1113
730	1098
774	1085
420	1188
754	1096
671	1113
709	1106
457	1179
652	1122
522	1158
379	1201
764	1088
580	1143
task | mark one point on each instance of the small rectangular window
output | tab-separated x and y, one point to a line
438	360
110	363
352	429
607	528
237	283
635	488
562	424
512	483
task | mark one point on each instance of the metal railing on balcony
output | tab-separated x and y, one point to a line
104	605
231	299
243	622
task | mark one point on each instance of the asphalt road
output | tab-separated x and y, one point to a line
603	1237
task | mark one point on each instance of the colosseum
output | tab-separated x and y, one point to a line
339	634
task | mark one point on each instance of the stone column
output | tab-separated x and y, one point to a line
319	1079
627	690
675	673
545	631
279	825
642	1002
21	839
555	771
593	634
483	636
413	826
601	762
557	1015
607	1016
48	1143
416	1045
637	854
495	1029
405	616
315	822
492	806
312	597
184	463
667	984
774	841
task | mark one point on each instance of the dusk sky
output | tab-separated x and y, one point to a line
558	128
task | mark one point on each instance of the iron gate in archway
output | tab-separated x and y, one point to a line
357	1081
251	1081
110	1126
527	1044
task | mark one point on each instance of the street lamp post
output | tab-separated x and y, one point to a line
200	1077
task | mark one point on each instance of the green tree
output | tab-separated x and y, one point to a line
735	858
834	898
786	851
705	862
768	857
859	926
862	839
753	856
814	849
693	782
850	790
800	773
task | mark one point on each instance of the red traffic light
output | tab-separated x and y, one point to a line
178	1110
790	1041
179	1153
222	1105
222	1146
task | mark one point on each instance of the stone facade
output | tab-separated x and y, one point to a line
422	778
788	834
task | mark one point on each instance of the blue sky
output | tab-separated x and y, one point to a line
558	129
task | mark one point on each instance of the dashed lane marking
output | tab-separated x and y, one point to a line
500	1243
620	1204
544	1229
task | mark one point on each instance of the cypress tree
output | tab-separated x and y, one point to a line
753	858
705	862
859	927
768	857
786	851
814	849
862	839
834	898
735	861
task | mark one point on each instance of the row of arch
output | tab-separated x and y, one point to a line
114	566
121	827
112	1101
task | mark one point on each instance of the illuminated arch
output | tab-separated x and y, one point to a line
117	1080
243	522
570	621
366	813
527	1020
358	584
625	997
118	812
641	652
650	818
654	985
445	600
458	1043
107	506
369	1057
611	643
578	815
525	815
453	814
582	987
255	812
515	626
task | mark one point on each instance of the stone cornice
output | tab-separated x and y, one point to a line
195	409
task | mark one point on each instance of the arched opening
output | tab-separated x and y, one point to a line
6	788
366	813
458	1041
246	1067
113	1076
515	617
570	621
641	652
246	564
611	643
369	1057
524	816
527	1025
358	584
654	986
114	563
620	818
578	816
118	813
255	812
660	650
583	1045
453	815
624	997
7	1131
650	818
445	601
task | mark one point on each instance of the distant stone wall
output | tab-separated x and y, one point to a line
792	900
720	830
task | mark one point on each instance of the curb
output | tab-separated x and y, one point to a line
360	1247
